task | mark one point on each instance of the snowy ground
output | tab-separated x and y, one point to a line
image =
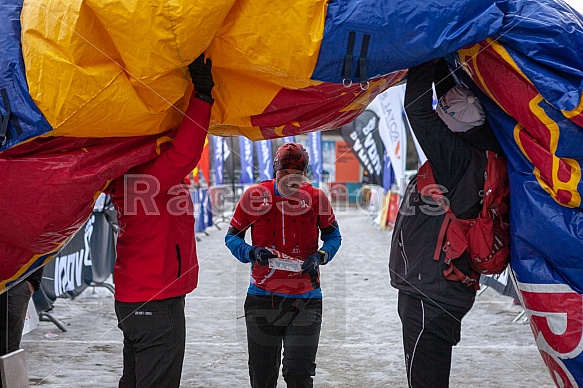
360	343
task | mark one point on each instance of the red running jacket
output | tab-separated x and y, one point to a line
290	225
156	249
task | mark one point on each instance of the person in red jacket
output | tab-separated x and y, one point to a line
156	263
286	216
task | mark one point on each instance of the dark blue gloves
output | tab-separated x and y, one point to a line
312	263
260	255
202	77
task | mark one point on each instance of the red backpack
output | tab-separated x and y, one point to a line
487	237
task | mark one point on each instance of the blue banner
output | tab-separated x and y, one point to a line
218	157
246	154
264	159
202	210
388	173
289	139
315	142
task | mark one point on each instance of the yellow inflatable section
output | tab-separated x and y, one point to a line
262	48
100	68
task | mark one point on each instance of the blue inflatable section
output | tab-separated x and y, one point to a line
546	248
21	119
401	34
544	38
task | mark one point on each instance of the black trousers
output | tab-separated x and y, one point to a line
154	336
13	307
429	333
273	321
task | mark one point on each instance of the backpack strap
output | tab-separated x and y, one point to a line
456	227
453	273
442	231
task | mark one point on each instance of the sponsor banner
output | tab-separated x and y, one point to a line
229	159
87	258
388	173
315	144
362	136
246	154
264	159
388	106
218	158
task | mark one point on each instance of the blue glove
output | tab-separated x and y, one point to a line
260	255
312	263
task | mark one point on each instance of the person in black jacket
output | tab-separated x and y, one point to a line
13	307
454	139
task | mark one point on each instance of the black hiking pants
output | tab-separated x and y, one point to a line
429	333
272	321
154	337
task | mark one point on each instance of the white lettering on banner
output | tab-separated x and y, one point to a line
68	272
373	154
247	150
87	240
390	119
315	149
369	155
219	158
370	126
388	106
248	158
69	268
361	152
265	154
218	148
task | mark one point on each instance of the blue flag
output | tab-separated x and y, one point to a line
218	151
246	154
315	141
388	173
264	159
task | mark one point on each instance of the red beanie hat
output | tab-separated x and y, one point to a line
291	156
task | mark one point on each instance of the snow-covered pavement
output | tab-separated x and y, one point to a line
360	343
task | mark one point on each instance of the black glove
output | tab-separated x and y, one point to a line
202	77
261	255
312	263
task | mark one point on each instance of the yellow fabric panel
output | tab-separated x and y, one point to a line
256	54
114	67
241	91
281	36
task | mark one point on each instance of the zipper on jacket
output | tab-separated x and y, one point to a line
179	261
403	254
283	224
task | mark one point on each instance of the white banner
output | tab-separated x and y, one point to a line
388	106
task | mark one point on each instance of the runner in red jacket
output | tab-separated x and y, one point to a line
156	263
286	216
